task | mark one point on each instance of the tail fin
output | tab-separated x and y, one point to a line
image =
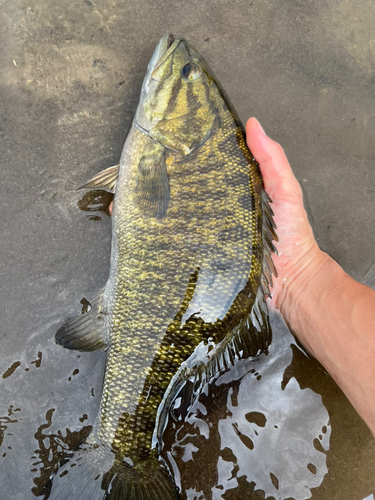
91	474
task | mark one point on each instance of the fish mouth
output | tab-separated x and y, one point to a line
166	43
170	40
165	47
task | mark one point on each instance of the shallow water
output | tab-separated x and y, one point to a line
69	85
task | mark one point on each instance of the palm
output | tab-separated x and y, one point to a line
297	248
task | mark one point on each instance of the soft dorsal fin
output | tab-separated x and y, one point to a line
251	338
106	179
88	330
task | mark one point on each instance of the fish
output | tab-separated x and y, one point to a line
190	272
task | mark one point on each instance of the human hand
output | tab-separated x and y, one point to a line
299	257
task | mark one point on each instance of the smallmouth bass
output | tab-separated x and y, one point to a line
190	268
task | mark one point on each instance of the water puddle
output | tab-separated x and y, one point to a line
253	431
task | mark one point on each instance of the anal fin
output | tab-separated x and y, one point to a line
88	330
106	180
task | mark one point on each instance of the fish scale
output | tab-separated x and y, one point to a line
190	267
148	306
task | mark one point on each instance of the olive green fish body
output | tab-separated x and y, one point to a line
192	235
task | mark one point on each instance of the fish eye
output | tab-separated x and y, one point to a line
191	72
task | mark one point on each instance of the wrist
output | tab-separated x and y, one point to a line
305	289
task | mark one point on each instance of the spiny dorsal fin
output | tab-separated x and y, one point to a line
88	330
106	179
269	234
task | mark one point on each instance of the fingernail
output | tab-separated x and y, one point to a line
261	128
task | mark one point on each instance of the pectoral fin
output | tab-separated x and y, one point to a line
88	331
152	184
106	180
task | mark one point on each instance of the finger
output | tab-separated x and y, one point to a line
110	208
279	180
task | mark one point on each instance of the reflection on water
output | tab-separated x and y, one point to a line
96	201
5	421
252	433
259	431
52	448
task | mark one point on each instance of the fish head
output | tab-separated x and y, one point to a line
177	106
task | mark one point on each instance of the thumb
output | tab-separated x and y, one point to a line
278	178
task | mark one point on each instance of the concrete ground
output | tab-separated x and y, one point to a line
70	78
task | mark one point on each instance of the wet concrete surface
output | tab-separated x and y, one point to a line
69	85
